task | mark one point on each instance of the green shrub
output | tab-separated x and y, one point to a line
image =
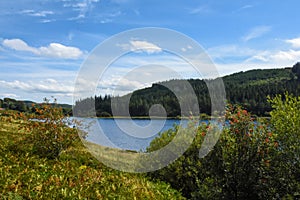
48	132
242	165
285	122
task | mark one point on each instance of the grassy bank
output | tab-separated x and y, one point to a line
74	174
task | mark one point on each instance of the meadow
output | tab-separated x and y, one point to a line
34	166
45	159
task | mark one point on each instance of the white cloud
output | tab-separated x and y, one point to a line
108	17
120	85
294	42
277	58
34	13
105	21
82	7
19	45
245	7
256	32
200	9
234	58
290	55
141	46
54	50
47	86
47	20
60	51
9	95
84	85
260	56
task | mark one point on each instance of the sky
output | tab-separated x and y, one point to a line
45	43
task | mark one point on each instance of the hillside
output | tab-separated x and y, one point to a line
27	106
249	89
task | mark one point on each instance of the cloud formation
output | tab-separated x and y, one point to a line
255	58
9	95
83	7
43	13
200	10
120	85
46	86
141	46
243	8
294	42
53	50
282	56
256	32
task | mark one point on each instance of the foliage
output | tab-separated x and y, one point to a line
296	69
243	156
26	106
49	135
249	161
12	104
248	89
285	122
184	172
74	174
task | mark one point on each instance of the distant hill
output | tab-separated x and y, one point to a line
249	89
26	105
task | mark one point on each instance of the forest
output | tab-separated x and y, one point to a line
249	89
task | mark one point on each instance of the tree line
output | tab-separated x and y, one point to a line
249	89
29	106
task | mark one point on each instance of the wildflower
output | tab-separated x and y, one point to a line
267	140
270	134
82	167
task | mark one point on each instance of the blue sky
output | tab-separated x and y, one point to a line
44	43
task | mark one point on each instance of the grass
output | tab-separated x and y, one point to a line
75	174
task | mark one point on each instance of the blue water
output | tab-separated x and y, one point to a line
126	134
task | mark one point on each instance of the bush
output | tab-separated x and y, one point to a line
244	163
49	135
285	121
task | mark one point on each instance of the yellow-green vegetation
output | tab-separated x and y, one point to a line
61	169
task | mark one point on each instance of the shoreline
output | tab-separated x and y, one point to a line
147	117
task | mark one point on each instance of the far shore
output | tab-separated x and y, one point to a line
170	118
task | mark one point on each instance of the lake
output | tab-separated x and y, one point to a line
135	134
